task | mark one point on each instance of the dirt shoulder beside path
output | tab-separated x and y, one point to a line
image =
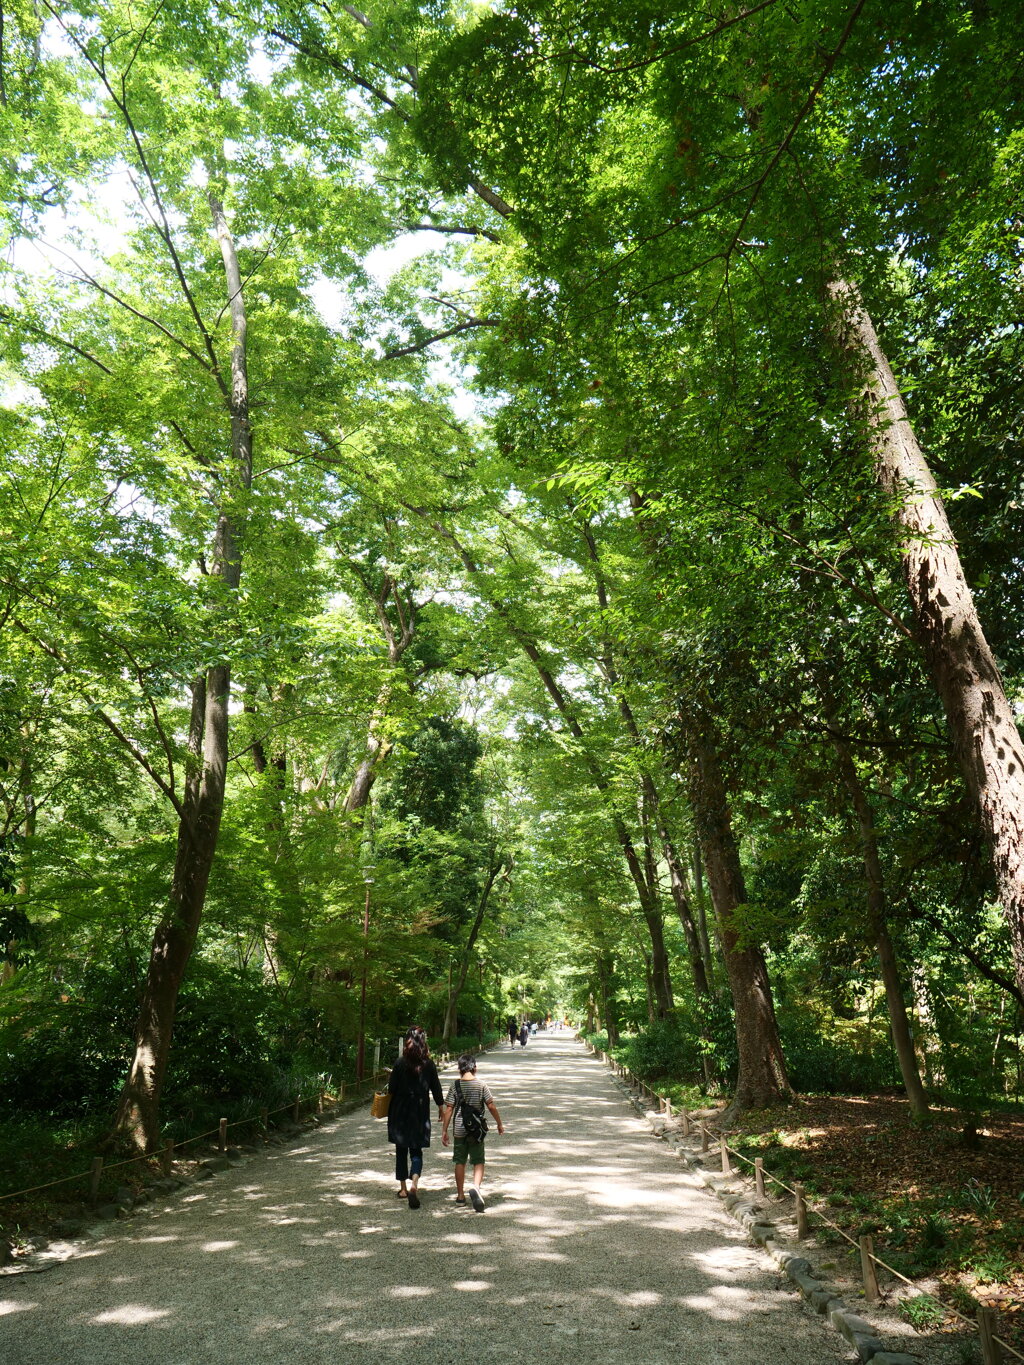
595	1244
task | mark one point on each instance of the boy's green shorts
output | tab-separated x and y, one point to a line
466	1153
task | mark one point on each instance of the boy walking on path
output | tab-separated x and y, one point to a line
466	1100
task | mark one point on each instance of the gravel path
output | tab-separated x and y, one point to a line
595	1246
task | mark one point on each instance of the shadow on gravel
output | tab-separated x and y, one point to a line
594	1243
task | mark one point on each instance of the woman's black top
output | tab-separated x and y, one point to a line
409	1111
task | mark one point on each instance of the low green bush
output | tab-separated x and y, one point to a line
829	1057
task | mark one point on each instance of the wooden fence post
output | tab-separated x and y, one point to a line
341	1093
726	1168
222	1136
295	1109
703	1138
991	1353
759	1176
167	1157
320	1102
264	1119
684	1116
802	1227
94	1178
668	1106
867	1268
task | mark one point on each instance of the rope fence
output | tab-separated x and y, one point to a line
100	1167
984	1323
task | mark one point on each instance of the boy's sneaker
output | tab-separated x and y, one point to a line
476	1199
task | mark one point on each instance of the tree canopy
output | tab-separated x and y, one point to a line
510	510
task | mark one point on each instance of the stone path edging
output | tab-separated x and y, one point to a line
823	1298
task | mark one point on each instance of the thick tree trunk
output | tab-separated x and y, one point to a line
981	719
762	1078
661	978
898	1021
137	1120
652	1011
358	795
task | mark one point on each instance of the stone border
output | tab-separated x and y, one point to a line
823	1298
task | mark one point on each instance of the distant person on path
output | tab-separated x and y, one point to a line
513	1031
524	1034
412	1082
466	1100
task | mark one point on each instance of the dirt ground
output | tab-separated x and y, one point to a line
948	1216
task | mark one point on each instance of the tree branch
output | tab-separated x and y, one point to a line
972	956
440	336
101	715
452	229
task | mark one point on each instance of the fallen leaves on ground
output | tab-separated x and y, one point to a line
938	1209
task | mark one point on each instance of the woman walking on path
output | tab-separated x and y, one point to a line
412	1082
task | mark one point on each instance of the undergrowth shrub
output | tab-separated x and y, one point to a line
835	1056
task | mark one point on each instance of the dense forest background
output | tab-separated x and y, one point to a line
508	510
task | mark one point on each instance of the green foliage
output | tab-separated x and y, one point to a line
666	1049
923	1311
35	1148
831	1057
660	519
66	1047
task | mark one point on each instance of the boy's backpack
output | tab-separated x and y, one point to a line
473	1121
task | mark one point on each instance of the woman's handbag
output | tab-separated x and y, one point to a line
381	1102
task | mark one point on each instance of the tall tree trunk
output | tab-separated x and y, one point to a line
652	1012
15	843
137	1119
647	895
661	979
399	636
681	900
762	1078
981	719
456	985
702	913
358	795
274	769
702	989
898	1021
609	1005
377	751
646	886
